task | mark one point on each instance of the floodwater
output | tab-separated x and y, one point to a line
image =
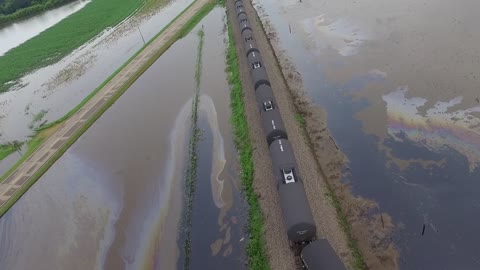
400	84
217	204
58	88
114	200
17	33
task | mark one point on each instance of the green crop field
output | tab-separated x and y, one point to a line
61	39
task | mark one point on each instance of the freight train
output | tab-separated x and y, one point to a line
297	216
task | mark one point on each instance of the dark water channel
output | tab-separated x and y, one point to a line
58	88
399	82
115	199
218	210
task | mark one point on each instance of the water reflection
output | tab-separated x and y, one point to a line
407	92
339	34
218	152
17	33
437	128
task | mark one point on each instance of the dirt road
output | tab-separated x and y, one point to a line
280	256
22	177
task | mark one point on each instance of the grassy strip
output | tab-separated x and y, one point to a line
38	140
193	157
32	145
257	258
8	148
358	260
300	120
56	42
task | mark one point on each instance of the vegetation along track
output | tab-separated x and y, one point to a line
52	142
191	174
257	258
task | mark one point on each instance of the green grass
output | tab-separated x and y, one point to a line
8	148
300	120
30	11
358	259
32	145
56	42
191	175
257	258
38	139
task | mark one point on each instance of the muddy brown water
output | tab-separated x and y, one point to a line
115	199
400	84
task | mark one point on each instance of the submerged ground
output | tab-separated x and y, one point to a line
399	84
114	200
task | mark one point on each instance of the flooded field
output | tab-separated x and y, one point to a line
217	204
58	88
400	84
115	199
19	32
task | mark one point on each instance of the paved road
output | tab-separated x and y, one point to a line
24	172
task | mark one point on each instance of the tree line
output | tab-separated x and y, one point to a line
13	10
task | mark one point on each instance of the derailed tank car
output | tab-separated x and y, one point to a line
319	255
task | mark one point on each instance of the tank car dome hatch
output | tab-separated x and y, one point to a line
283	158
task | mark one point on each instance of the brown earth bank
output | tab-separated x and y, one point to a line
372	232
290	100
